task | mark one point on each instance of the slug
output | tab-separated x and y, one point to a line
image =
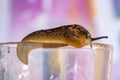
73	35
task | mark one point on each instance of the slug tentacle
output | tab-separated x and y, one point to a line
93	39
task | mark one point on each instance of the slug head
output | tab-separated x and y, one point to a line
80	37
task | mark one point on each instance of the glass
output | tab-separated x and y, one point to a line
63	63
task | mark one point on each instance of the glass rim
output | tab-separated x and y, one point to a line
94	45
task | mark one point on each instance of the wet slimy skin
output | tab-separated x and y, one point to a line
73	35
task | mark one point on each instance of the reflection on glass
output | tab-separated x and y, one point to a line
64	63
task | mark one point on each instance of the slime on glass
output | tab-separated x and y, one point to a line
73	35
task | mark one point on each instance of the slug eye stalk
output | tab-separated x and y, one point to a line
93	39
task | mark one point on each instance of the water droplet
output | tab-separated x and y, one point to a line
54	77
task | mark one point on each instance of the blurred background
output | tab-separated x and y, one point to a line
101	17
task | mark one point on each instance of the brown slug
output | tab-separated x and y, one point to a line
73	35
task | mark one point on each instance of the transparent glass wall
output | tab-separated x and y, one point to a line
63	63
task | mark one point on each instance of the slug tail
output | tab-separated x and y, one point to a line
22	52
24	48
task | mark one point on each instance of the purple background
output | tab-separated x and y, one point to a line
101	17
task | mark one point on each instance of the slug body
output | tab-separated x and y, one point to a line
74	35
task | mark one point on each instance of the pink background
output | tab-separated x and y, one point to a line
101	17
